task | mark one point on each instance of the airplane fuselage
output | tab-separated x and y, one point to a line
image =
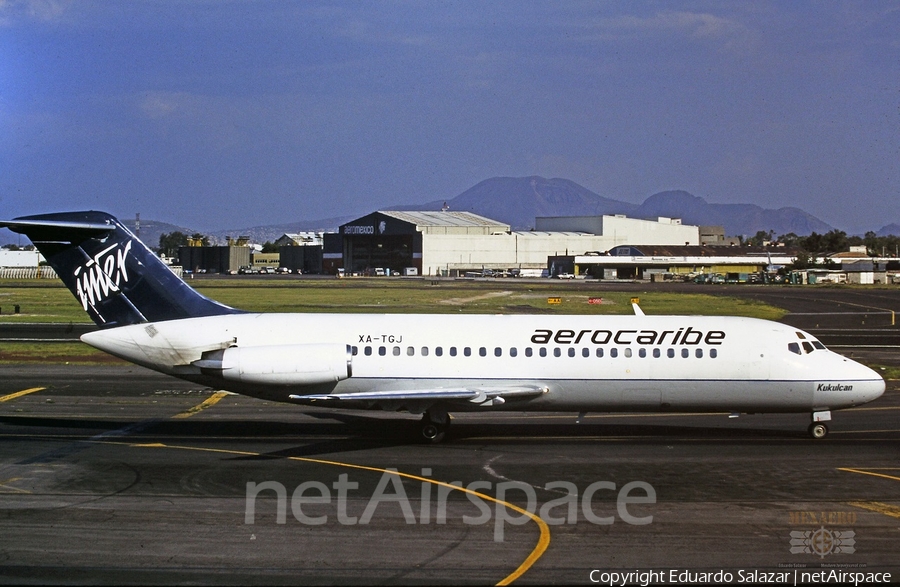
583	363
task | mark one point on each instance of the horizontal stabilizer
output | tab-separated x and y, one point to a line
57	231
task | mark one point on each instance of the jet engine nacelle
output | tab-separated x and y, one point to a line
295	364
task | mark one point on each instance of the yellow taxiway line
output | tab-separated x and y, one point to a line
207	403
536	553
876	506
6	398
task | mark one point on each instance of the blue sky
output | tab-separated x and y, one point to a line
218	114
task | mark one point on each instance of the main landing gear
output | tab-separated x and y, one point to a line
435	423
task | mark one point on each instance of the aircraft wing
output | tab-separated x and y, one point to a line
477	395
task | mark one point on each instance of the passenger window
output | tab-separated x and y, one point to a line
410	351
354	350
614	352
585	352
685	353
439	351
396	351
670	353
808	347
543	351
571	352
424	351
656	353
368	351
628	353
642	353
557	352
453	351
513	351
794	348
498	352
528	352
382	351
467	352
482	352
713	353
599	353
698	353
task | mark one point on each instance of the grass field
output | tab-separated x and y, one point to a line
50	302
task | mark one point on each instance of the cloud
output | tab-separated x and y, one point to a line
160	104
730	33
14	11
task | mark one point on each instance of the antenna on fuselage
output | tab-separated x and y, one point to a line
637	308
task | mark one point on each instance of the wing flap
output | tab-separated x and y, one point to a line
479	395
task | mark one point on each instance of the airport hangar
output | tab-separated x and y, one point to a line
649	261
451	243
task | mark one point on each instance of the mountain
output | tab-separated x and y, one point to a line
738	219
890	229
261	234
518	200
151	230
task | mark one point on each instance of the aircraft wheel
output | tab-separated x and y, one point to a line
434	430
433	433
818	430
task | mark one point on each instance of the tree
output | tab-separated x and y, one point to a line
789	240
761	238
836	241
169	243
269	247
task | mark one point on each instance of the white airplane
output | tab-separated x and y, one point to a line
434	364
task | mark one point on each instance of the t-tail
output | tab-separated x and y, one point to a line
114	276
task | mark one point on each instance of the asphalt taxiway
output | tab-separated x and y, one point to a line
114	474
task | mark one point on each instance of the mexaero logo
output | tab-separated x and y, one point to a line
102	275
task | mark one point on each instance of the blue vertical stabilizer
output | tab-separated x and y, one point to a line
114	276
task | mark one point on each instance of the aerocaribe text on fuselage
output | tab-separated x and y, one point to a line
682	336
149	316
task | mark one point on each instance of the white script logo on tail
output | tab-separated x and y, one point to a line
101	275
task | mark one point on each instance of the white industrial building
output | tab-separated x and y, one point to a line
20	258
620	230
453	243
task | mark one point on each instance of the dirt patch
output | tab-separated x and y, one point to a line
487	296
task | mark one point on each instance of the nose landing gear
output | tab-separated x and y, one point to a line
817	430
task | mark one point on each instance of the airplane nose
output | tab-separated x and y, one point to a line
852	384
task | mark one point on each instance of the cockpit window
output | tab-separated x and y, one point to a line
819	345
808	347
794	347
800	336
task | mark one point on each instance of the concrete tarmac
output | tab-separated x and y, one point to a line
112	474
119	475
